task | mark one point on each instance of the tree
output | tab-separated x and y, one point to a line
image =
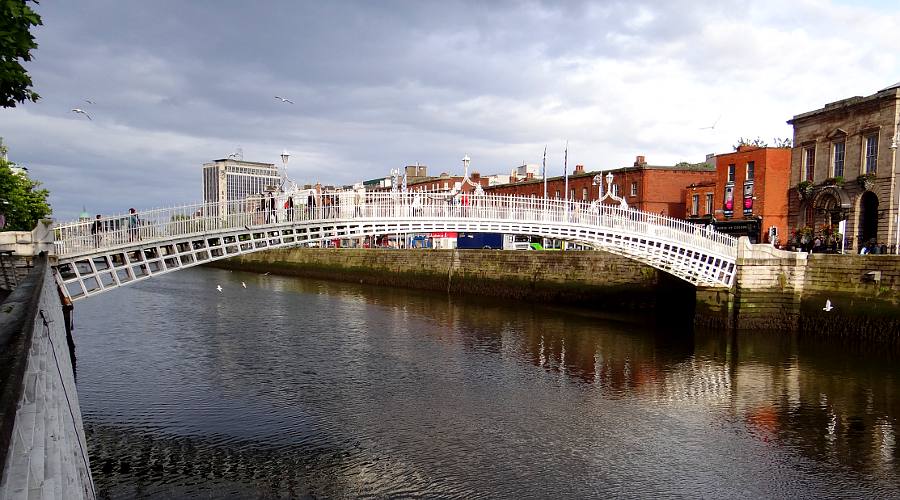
21	202
16	42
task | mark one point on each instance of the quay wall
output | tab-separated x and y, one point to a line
774	290
43	453
594	279
787	291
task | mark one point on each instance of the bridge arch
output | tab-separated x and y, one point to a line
173	239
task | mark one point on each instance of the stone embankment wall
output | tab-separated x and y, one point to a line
43	453
595	279
779	290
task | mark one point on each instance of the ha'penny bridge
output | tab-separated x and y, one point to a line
98	255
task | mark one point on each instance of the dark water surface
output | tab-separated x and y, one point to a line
296	388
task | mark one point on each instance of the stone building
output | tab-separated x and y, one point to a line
843	167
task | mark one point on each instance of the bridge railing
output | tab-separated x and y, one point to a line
96	235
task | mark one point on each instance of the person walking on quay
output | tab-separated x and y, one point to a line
96	230
134	223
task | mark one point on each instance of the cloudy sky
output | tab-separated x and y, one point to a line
382	84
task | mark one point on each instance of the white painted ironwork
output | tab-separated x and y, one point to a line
97	255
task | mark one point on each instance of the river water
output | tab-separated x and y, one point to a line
298	388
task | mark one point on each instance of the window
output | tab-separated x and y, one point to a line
557	194
634	189
871	152
695	204
809	162
751	166
584	194
709	203
837	165
572	194
615	190
731	172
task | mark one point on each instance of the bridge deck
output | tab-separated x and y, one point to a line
98	255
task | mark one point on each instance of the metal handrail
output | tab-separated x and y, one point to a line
85	237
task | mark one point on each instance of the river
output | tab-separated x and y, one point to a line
300	388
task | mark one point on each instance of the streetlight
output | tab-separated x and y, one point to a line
466	161
285	156
895	142
598	181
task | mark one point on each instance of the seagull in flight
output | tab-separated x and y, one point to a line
83	112
284	99
89	101
713	126
827	307
219	288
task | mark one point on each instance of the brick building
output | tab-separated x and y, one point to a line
750	196
843	167
651	188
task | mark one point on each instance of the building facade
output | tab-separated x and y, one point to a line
231	180
844	167
651	188
751	193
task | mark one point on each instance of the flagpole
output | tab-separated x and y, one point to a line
566	173
544	172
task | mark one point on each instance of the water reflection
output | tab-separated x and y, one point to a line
331	389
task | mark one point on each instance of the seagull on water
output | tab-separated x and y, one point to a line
827	306
219	287
284	99
265	274
243	284
83	112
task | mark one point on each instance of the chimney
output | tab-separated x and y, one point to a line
579	169
529	176
640	161
476	176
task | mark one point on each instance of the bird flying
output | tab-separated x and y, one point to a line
89	101
219	287
243	284
83	112
827	306
284	99
713	126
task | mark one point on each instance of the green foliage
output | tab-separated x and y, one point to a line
21	201
16	42
834	181
758	142
805	188
783	142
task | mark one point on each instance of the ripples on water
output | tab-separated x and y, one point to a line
295	388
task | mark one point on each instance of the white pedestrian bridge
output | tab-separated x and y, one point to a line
97	255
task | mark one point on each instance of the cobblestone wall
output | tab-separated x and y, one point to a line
46	451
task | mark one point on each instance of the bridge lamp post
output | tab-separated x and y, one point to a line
598	181
285	156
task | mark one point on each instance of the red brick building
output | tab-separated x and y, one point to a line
751	193
651	188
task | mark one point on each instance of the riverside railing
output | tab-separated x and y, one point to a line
258	213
